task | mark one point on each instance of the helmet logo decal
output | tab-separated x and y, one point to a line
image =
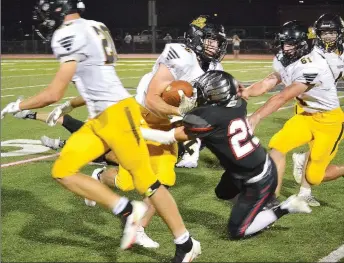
199	22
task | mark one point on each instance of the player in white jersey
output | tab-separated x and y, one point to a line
85	50
205	47
318	120
329	29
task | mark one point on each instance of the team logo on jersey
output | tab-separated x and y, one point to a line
200	22
172	54
309	77
67	42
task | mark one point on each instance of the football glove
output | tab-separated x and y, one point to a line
58	112
11	108
186	103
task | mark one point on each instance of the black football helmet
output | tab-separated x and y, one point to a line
202	28
48	15
216	87
292	33
330	22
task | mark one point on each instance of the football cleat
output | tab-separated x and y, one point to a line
132	224
143	240
181	256
310	200
95	175
25	114
296	204
51	143
299	160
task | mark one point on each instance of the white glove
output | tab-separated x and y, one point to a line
12	108
186	103
58	112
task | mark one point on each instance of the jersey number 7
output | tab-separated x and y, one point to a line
108	44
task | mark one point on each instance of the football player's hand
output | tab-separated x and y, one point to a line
11	108
186	103
253	121
243	92
58	112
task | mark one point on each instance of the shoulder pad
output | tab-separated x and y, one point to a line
276	64
177	54
68	40
215	66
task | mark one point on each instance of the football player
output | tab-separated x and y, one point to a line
319	119
205	47
329	32
85	49
220	120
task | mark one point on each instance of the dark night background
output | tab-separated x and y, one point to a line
132	15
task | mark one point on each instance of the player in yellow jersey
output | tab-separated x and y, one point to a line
318	120
87	55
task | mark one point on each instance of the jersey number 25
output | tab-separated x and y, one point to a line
108	44
239	132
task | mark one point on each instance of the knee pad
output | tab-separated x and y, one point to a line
152	189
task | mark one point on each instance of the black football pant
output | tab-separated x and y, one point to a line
251	200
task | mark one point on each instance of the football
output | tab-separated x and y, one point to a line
171	95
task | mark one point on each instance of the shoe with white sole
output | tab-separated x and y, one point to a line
310	200
143	240
190	161
132	224
296	204
25	114
51	143
95	175
181	256
299	160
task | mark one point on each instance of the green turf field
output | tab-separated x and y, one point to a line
42	222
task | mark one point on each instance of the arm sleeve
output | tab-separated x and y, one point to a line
196	125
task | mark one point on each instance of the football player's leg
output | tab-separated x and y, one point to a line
295	132
228	187
82	147
251	201
323	150
123	136
333	172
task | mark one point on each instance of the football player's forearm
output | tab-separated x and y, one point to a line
158	106
260	88
43	99
271	106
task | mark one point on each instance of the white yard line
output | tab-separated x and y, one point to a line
334	256
24	87
4	96
29	160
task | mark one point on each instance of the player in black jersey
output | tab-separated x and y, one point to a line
221	122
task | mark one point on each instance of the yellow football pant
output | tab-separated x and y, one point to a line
162	157
322	130
117	128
